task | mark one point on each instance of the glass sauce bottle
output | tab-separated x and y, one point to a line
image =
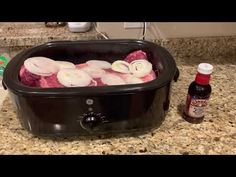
198	94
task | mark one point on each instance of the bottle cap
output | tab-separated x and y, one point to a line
205	68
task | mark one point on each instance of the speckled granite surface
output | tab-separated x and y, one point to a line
216	135
12	35
201	46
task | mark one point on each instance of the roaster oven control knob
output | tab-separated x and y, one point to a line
92	120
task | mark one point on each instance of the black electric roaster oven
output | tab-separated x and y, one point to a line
92	110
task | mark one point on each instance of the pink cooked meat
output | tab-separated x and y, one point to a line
108	76
99	82
82	65
49	82
151	76
33	80
22	70
93	83
28	78
139	54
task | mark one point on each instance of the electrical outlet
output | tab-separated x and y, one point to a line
128	25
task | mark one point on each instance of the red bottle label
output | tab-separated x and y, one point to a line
195	107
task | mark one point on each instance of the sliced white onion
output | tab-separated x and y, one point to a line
99	64
73	78
65	64
93	71
41	66
121	66
140	68
133	80
112	79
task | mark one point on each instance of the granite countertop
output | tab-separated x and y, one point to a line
23	35
216	135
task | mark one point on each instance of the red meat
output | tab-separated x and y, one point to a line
151	76
139	54
28	78
50	82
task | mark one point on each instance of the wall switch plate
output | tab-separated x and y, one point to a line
128	25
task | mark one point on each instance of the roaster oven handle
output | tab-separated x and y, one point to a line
4	86
176	76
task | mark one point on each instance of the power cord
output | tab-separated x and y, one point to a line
158	34
144	30
103	35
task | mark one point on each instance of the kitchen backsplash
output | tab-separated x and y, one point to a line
166	30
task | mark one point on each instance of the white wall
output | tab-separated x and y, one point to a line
170	29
